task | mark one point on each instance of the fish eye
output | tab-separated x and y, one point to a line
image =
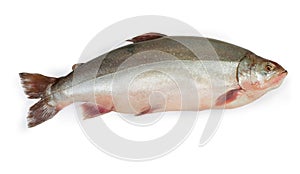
269	67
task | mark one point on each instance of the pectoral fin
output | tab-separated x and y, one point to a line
228	97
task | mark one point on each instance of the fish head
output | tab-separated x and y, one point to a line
257	73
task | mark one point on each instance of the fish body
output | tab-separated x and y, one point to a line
157	73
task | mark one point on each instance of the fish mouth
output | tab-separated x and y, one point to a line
278	80
285	72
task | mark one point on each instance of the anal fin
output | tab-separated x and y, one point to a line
90	110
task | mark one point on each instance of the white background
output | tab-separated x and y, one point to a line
48	38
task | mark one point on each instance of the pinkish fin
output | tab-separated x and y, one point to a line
90	110
145	37
149	109
227	97
76	66
145	110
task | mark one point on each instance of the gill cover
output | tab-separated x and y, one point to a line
245	73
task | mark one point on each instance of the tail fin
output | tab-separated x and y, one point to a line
35	86
40	112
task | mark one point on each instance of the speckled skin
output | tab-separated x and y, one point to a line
166	74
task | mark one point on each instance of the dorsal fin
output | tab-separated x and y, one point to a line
76	65
145	37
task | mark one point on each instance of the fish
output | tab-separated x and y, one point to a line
156	73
